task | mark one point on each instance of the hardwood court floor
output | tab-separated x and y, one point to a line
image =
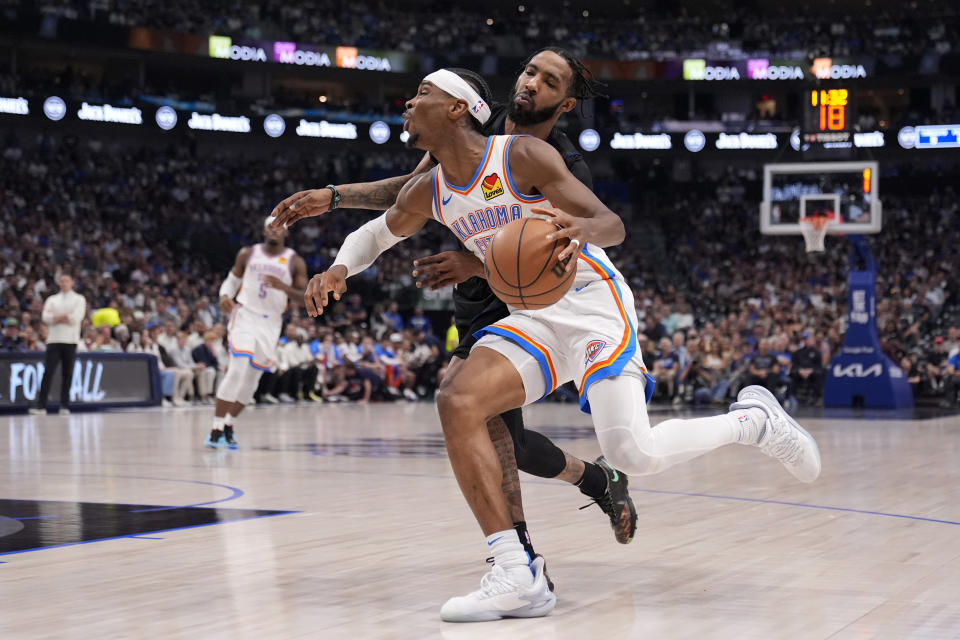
729	545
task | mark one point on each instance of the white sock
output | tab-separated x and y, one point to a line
507	551
228	420
750	424
218	423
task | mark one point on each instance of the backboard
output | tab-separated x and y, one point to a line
848	190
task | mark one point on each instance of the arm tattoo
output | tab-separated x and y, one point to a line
510	485
378	195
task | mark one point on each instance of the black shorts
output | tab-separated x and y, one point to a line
474	307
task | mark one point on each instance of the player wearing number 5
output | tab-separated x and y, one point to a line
263	279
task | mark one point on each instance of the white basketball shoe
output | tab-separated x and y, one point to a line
782	438
504	593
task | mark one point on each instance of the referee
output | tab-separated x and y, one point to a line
63	312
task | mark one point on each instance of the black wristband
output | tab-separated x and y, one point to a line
335	203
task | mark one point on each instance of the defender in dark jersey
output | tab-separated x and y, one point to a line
549	85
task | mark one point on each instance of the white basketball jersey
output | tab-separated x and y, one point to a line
255	294
490	201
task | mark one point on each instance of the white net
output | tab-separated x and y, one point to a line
814	230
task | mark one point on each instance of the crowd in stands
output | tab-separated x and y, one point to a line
152	232
615	30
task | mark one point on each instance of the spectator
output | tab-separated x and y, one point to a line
807	373
951	381
207	366
453	336
392	318
182	360
764	368
30	340
666	366
911	373
936	368
420	322
12	340
714	371
355	312
63	312
952	344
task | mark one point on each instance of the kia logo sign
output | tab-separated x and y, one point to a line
274	125
54	108
589	140
166	118
694	141
857	370
379	132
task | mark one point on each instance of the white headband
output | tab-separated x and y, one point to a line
459	88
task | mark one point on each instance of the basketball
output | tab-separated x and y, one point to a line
522	267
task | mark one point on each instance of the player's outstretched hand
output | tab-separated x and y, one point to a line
302	204
226	305
445	269
570	227
321	286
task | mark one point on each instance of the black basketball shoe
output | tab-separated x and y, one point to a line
228	438
214	439
617	503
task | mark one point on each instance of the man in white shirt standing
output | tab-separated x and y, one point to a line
63	312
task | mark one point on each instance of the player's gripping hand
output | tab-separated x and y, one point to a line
226	305
445	269
302	204
571	227
317	295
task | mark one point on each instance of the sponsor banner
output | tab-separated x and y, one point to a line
765	141
109	113
14	106
217	122
714	70
657	141
770	69
98	380
696	141
937	136
310	55
280	51
324	129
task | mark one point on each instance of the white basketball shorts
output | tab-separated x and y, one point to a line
589	335
253	335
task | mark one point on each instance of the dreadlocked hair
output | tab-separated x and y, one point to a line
583	84
480	86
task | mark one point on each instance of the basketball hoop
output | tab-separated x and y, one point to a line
814	230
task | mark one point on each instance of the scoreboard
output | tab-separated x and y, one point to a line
828	119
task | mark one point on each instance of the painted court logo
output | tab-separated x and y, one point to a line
593	350
492	187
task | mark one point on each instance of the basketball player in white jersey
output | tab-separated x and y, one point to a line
262	280
550	83
525	356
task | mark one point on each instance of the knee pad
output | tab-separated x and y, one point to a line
538	456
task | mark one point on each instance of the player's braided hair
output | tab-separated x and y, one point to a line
480	85
583	84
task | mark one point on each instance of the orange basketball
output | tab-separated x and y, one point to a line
522	267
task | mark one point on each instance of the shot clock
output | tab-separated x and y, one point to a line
828	121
